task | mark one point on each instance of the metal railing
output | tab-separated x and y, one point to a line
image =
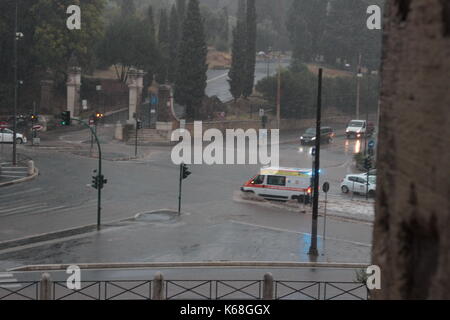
161	289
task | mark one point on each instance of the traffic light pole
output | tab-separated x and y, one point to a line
315	213
179	189
136	139
99	172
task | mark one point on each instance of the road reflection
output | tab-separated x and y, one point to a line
357	146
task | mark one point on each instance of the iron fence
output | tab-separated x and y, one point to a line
19	291
188	290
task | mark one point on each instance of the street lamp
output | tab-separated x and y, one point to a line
17	36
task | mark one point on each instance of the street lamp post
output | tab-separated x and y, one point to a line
358	87
16	88
315	213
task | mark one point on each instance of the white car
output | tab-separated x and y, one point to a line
6	136
357	183
359	129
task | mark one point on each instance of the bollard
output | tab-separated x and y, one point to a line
268	287
45	292
158	287
30	168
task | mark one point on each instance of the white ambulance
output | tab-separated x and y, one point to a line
282	184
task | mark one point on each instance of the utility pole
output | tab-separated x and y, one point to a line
358	87
16	88
279	92
367	113
315	214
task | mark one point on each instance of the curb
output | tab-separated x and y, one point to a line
217	264
36	239
9	183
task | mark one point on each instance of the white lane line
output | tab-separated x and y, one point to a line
6	275
19	193
33	206
217	78
8	176
33	211
7	281
298	232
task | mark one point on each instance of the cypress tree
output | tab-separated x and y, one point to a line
250	50
236	74
127	8
151	22
174	40
163	40
190	83
181	9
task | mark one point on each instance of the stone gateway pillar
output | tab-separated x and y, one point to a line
73	86
135	85
73	91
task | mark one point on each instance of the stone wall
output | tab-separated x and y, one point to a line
411	233
286	124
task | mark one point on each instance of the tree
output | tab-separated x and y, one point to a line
226	25
174	40
128	8
191	78
250	50
236	74
163	41
150	21
181	9
346	32
126	44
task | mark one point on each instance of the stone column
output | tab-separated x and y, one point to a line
73	91
133	86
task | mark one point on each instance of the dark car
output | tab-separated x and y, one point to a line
326	135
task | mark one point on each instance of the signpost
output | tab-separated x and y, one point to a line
325	188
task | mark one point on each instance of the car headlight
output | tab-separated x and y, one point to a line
313	138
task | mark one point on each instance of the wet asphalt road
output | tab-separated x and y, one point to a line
62	198
215	225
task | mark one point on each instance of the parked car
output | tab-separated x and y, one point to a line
6	136
357	183
359	129
326	135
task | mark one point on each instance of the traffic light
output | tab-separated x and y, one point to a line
368	163
97	117
139	125
33	118
66	120
98	181
185	171
102	181
94	182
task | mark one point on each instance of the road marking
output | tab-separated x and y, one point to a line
8	281
19	193
217	78
33	211
6	275
298	232
33	206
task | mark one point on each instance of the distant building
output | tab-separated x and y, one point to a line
412	227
